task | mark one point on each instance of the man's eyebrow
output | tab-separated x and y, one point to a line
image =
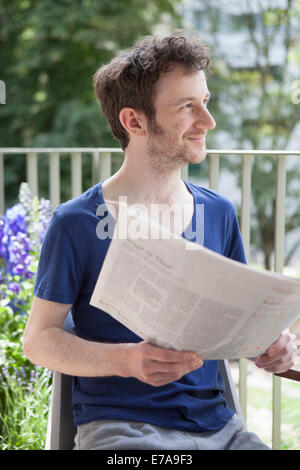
190	98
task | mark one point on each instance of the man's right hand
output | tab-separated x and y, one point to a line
159	366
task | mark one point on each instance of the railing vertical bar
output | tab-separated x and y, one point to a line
2	192
279	264
76	174
276	416
214	165
246	202
54	179
185	172
280	213
95	167
32	172
245	231
105	165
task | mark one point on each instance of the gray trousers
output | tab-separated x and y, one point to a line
132	435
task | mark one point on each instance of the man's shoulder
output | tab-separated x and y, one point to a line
212	198
79	206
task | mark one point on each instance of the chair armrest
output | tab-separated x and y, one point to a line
292	374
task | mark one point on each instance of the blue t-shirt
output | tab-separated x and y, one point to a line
70	261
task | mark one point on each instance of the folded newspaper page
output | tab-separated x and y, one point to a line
179	295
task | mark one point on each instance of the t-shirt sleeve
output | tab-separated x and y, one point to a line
59	276
234	246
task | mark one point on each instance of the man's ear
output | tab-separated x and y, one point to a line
133	122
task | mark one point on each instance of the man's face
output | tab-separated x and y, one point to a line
177	136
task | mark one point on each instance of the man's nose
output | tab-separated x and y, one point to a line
205	120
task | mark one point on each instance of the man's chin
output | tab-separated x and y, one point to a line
197	157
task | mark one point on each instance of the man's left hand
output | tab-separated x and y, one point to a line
280	356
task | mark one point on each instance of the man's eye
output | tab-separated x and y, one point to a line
188	105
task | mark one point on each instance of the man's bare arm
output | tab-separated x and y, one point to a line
47	345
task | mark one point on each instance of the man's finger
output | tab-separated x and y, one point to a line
175	366
281	345
169	355
285	356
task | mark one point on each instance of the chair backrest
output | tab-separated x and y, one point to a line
61	430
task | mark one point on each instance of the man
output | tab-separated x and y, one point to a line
128	394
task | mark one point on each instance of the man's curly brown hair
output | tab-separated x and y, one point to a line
129	80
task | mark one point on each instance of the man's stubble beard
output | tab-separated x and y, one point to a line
164	156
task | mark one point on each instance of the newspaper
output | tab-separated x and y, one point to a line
179	295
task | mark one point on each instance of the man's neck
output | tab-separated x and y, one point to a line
142	184
147	188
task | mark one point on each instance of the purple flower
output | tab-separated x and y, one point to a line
16	219
2	224
5	372
19	259
13	236
3	237
22	231
39	227
14	287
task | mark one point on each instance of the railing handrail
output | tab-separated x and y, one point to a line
116	149
58	149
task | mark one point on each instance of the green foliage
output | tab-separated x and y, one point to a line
24	388
12	324
260	404
49	52
23	423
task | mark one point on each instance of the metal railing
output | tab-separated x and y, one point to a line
101	169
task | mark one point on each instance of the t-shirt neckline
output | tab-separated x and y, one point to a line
189	187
